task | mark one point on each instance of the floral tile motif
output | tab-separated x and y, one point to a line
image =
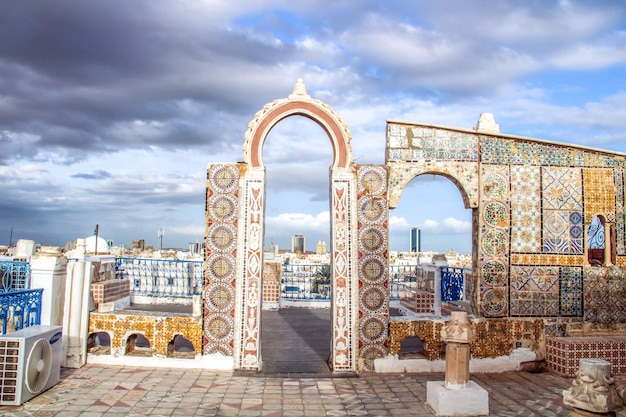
525	209
562	189
534	291
599	189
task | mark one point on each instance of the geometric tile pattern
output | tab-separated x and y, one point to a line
562	210
599	188
534	291
563	354
494	240
373	270
571	291
620	214
525	209
222	209
604	292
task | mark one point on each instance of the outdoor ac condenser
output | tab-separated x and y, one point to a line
30	362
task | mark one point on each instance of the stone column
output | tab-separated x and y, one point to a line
457	395
457	333
593	390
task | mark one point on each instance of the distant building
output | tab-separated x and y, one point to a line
415	240
320	249
298	244
138	244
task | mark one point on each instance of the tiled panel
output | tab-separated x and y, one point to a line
599	190
561	189
571	291
430	143
620	214
563	232
525	209
494	240
534	291
373	251
604	292
222	211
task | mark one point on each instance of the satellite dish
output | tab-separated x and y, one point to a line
38	366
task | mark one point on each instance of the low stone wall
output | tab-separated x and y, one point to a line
494	337
158	328
563	354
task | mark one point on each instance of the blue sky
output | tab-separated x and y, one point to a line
110	111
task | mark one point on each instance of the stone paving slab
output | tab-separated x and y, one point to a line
98	391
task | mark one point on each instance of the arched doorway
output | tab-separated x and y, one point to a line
234	256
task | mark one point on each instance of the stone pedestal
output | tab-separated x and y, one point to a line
593	389
457	395
457	364
471	400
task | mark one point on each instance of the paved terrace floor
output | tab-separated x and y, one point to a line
295	382
96	390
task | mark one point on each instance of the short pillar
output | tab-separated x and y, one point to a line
593	390
47	271
457	395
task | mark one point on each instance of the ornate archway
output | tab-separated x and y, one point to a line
234	251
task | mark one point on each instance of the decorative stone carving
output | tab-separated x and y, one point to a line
593	389
458	329
487	123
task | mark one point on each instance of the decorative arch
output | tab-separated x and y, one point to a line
408	178
234	329
299	103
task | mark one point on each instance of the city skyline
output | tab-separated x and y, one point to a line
117	126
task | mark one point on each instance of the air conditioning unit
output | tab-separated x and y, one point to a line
30	362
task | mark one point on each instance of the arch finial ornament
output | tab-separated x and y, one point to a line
298	103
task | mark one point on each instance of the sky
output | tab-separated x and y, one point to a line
111	110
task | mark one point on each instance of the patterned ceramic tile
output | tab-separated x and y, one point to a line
562	232
620	214
599	189
571	291
525	209
534	291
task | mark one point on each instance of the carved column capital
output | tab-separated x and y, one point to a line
593	388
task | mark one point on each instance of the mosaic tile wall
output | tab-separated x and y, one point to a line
493	237
428	150
532	202
373	259
222	212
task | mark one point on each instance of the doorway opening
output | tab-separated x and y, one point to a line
295	325
429	228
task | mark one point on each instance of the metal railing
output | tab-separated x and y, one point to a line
452	284
404	277
161	277
305	282
19	309
14	275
